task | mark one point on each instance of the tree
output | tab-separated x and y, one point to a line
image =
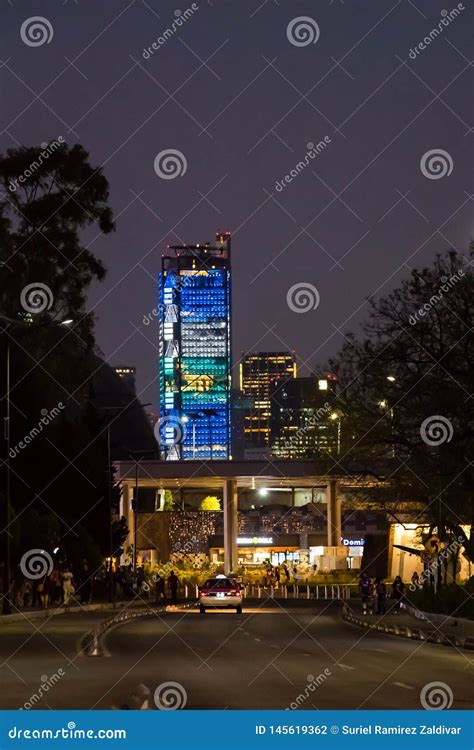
169	500
49	197
211	502
406	396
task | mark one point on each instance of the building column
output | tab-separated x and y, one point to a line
230	526
125	510
334	515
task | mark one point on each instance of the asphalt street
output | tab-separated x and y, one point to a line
262	659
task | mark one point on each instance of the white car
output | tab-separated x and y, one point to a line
220	593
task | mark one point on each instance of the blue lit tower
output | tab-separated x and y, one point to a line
195	351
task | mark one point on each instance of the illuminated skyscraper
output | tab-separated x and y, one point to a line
257	371
195	351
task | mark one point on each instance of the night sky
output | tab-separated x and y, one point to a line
240	101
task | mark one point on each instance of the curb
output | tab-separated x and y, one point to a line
92	643
403	631
42	614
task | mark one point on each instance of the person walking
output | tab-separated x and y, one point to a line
365	591
381	596
173	581
68	586
160	594
398	592
277	577
415	579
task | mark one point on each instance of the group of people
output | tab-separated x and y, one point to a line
274	574
373	594
55	588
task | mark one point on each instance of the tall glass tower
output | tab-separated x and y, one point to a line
195	351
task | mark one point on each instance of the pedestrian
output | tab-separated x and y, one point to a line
173	581
277	576
365	590
56	588
398	592
415	579
68	586
160	594
287	573
26	593
381	594
44	591
295	573
86	583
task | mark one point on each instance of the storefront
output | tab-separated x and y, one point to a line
347	556
258	550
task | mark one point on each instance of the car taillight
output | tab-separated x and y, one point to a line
234	593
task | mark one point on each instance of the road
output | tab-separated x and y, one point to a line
259	660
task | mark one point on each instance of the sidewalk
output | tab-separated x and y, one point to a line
436	628
38	613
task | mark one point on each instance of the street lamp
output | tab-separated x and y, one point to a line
6	604
336	417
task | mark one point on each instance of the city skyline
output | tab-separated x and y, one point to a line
243	124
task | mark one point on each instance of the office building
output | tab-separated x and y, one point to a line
257	371
303	419
195	351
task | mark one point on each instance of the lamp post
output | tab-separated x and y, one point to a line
120	409
336	417
6	603
135	505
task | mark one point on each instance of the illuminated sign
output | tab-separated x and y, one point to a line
352	542
255	540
